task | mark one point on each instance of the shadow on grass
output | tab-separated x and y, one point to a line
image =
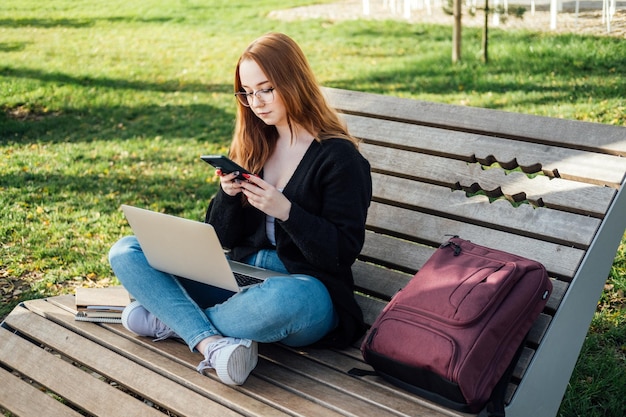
201	122
34	122
113	83
195	121
8	305
544	68
13	46
46	23
171	191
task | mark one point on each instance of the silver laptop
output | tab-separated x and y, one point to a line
189	249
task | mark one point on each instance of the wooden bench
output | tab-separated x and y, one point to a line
556	196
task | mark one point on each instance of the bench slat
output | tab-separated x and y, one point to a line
66	380
402	253
541	223
139	377
331	369
320	392
22	399
590	167
371	307
269	397
572	134
378	281
557	193
560	261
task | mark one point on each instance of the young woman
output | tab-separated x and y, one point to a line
303	214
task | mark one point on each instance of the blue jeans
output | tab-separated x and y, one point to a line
295	310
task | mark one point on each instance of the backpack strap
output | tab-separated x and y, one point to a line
361	372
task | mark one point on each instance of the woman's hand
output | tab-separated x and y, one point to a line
229	183
265	197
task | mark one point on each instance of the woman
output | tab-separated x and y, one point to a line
303	215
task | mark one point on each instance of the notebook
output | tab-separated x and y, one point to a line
101	304
189	249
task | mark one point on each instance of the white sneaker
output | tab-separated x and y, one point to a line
232	358
143	323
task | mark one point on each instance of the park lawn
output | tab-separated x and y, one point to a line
104	103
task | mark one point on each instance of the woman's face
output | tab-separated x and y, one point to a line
253	80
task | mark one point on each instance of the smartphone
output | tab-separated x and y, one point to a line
225	165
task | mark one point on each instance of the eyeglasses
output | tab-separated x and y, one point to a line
264	96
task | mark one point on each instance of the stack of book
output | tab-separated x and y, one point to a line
103	305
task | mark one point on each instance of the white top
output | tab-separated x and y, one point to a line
270	230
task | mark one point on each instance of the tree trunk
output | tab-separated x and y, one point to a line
486	34
456	31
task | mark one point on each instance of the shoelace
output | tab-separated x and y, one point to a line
162	331
213	348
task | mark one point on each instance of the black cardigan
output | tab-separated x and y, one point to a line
330	192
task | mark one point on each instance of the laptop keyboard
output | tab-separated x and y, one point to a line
245	280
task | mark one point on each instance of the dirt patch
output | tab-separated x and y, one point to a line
588	22
11	288
29	113
15	289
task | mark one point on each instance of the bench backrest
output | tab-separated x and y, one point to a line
535	186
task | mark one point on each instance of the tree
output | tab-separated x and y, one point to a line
454	7
486	34
456	31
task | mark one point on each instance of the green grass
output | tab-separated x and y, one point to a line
103	103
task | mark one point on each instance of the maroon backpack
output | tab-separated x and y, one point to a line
453	331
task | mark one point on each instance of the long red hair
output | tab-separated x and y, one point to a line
288	70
